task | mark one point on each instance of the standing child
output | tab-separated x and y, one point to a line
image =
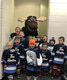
9	61
47	59
51	44
32	61
21	54
60	56
29	38
50	48
44	40
38	41
17	31
23	41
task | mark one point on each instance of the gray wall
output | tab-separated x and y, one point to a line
44	9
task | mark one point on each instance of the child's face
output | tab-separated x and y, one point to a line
17	30
45	38
17	41
21	35
44	47
52	42
32	46
9	45
61	41
38	39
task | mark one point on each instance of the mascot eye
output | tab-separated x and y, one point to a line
29	21
35	20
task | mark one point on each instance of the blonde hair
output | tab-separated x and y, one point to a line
10	42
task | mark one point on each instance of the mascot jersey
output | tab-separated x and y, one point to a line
28	33
12	35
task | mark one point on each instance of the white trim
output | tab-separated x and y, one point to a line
45	64
57	59
10	68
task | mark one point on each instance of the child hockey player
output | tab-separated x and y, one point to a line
28	39
21	54
9	61
50	48
44	40
51	44
60	56
17	31
47	59
38	41
23	40
32	60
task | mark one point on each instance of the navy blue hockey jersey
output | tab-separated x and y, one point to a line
10	59
21	52
38	43
24	43
50	48
13	35
46	57
59	53
31	57
28	33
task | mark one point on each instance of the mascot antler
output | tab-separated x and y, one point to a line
21	19
41	19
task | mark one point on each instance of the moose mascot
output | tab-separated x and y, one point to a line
31	25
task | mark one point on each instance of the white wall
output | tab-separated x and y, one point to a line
7	19
6	24
0	24
0	38
57	19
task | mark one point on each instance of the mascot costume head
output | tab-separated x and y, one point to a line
31	25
